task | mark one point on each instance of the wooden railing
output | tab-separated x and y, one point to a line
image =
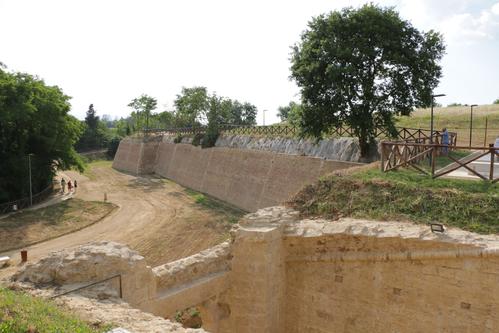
404	133
426	158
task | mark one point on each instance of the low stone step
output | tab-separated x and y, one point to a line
4	261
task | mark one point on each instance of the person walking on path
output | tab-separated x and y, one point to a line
75	185
445	141
63	185
70	186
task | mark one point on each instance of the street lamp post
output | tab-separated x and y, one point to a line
471	122
431	125
30	184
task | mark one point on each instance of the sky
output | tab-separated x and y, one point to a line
107	52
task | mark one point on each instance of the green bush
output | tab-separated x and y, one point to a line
112	146
178	138
196	140
209	140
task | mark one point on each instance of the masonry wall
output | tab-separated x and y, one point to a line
376	295
291	275
248	179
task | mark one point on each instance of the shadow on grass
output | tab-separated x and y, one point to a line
146	184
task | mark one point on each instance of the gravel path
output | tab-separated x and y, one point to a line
155	217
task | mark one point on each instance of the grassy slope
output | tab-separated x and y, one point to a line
457	119
403	196
227	212
19	230
21	313
93	164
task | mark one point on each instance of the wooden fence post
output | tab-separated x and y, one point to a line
433	158
492	158
382	156
486	125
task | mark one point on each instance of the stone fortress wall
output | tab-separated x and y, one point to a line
246	178
285	274
281	273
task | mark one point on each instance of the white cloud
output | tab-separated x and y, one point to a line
495	9
469	29
458	20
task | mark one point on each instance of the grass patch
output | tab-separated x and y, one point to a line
457	119
230	213
96	164
403	196
22	313
33	226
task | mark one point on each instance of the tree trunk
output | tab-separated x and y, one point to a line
364	147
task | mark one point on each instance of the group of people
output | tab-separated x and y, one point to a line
70	185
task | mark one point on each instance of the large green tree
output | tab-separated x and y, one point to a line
96	134
143	106
34	120
191	106
360	67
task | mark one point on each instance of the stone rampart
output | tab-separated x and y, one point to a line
292	275
248	179
280	273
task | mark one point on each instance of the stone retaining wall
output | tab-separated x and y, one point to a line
281	273
248	179
292	275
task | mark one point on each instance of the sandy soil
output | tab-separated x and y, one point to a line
155	217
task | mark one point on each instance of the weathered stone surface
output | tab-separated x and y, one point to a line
212	260
338	149
91	262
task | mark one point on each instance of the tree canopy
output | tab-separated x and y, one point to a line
96	134
34	120
360	67
143	106
192	106
290	113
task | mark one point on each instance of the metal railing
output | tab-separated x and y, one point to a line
11	206
93	284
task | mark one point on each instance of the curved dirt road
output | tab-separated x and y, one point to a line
155	217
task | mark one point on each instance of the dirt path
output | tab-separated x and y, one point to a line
155	217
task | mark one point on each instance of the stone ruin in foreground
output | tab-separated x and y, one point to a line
280	273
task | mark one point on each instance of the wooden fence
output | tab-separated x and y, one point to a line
404	133
423	157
